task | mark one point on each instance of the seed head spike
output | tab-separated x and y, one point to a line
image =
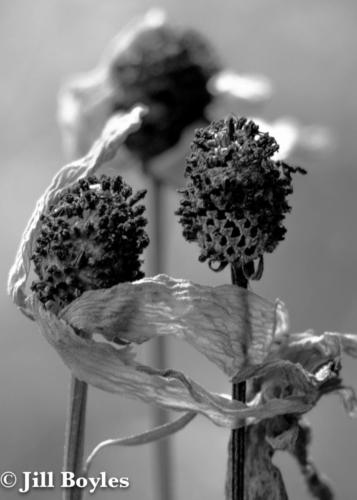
92	237
235	199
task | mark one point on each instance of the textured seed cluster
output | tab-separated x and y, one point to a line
235	200
92	237
167	70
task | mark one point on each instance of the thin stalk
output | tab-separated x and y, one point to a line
162	450
74	436
239	394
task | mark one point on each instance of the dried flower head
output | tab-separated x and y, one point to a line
235	200
90	238
167	69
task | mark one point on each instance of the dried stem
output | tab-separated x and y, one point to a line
74	437
239	394
159	352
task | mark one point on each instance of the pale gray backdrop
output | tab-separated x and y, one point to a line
309	50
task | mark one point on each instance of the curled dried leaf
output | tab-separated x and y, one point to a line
307	348
160	432
320	355
211	319
348	342
102	151
115	370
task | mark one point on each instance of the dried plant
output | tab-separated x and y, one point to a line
233	207
86	235
287	373
91	237
235	200
172	70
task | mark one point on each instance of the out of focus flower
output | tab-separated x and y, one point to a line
297	141
168	70
177	74
235	198
173	71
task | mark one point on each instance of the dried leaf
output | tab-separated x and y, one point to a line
160	432
320	355
282	432
308	349
114	134
348	342
115	370
211	319
263	480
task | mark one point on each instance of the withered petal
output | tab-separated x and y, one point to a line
211	319
115	370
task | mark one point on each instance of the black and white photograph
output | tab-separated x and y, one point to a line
179	245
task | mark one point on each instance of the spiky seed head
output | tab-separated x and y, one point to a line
235	200
91	237
166	69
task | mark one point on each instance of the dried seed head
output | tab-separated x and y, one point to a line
167	70
235	202
90	238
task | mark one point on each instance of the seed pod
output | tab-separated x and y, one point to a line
234	203
92	237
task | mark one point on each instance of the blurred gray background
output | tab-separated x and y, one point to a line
308	49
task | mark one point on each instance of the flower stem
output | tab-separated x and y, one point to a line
239	394
74	437
159	353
